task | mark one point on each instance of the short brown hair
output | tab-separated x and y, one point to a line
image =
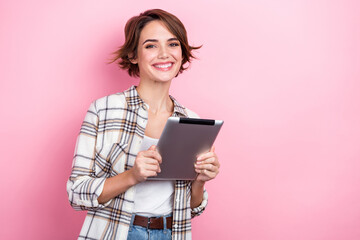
133	29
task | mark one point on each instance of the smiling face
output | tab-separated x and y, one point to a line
159	54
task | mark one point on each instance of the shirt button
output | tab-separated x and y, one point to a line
175	225
177	200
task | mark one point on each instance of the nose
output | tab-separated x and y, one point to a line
163	52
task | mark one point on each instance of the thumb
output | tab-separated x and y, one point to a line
212	149
153	147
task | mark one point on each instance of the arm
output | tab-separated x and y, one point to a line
147	163
85	190
197	192
82	187
207	165
116	185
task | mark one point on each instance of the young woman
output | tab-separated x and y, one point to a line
116	148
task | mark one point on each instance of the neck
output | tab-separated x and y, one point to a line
156	95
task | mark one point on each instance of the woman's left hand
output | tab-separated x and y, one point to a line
207	165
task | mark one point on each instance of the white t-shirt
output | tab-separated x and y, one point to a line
152	197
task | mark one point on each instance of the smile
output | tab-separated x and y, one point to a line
163	66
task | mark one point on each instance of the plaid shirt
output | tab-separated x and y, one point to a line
108	143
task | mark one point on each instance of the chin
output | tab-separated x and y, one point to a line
164	78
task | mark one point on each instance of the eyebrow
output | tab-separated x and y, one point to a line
155	40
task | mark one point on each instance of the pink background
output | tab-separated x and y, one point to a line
284	75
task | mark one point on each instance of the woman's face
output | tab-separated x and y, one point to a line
159	55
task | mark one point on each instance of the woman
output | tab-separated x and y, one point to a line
115	151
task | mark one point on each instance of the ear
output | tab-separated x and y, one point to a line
132	59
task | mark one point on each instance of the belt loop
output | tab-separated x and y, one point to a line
164	221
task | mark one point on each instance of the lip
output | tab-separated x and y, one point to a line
164	69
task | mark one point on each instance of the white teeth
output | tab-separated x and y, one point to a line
164	65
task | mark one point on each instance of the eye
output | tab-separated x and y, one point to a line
174	44
150	46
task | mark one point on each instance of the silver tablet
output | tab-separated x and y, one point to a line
180	143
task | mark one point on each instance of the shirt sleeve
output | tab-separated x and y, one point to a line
83	187
200	209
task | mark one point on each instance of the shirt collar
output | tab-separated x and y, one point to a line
134	102
178	108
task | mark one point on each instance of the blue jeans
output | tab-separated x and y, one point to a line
142	233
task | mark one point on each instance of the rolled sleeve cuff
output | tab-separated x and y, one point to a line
98	193
87	199
199	209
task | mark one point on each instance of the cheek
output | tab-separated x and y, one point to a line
179	55
176	53
146	55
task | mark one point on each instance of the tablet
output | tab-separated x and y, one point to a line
181	142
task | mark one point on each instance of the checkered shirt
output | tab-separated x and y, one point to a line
108	143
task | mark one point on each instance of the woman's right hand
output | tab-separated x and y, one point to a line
147	164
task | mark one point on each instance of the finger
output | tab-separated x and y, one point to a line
150	173
149	161
152	167
205	156
211	160
145	165
142	162
207	174
208	167
212	148
153	164
153	154
152	147
203	171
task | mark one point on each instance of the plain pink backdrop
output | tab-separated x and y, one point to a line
284	75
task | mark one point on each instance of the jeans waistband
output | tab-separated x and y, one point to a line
156	222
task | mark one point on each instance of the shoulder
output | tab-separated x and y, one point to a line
116	100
